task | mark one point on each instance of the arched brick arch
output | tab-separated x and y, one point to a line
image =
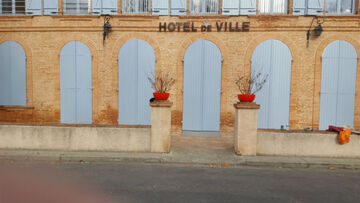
294	66
177	113
29	75
95	57
317	75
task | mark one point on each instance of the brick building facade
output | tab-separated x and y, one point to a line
43	38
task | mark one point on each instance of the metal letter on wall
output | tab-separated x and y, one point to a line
12	74
75	83
338	83
202	87
136	62
274	58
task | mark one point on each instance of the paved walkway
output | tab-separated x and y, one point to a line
212	157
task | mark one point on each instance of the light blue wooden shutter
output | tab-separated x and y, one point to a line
105	7
299	7
68	83
160	7
177	7
247	7
202	86
5	67
211	86
12	74
315	7
51	7
274	58
231	7
83	84
33	7
192	92
338	82
75	84
136	62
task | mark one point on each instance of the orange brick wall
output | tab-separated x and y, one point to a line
44	36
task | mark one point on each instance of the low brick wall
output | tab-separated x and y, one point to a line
315	144
74	138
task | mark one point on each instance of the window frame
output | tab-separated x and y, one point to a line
78	8
286	7
148	12
338	8
13	8
191	8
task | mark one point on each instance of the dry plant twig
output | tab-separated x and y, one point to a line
162	82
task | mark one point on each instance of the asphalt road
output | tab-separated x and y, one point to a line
121	182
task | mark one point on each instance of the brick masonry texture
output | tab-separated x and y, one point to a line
43	37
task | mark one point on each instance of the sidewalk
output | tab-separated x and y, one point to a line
212	157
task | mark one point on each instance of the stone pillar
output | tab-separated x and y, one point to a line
160	125
245	132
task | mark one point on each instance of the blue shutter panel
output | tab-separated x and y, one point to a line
5	63
299	7
105	7
68	83
127	61
338	81
160	7
33	7
231	7
247	7
12	74
315	7
51	7
274	58
211	86
192	94
18	75
146	66
177	7
136	62
75	84
97	5
202	87
83	84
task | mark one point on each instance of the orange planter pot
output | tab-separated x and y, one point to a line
161	95
246	97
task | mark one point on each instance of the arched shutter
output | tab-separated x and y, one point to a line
247	7
12	74
299	7
160	7
33	7
231	7
51	7
178	7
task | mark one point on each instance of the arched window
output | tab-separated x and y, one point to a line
273	57
338	84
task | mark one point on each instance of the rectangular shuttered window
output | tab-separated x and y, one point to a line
12	7
135	6
340	7
273	6
105	7
76	7
204	7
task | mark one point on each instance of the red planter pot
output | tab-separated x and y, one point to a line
161	95
246	97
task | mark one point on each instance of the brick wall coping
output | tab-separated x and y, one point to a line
246	105
161	103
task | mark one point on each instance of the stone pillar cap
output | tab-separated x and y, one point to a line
161	103
246	105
